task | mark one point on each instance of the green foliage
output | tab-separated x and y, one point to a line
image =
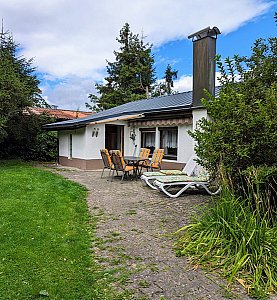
236	241
242	130
20	132
18	86
261	184
27	139
46	234
170	75
237	236
129	77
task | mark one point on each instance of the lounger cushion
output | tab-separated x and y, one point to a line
182	178
172	172
151	174
163	173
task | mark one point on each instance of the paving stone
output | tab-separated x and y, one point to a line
141	222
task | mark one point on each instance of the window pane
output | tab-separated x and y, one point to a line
148	140
169	142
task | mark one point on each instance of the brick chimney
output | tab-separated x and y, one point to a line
204	51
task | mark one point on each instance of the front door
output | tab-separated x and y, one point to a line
114	137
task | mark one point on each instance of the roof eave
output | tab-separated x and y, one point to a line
48	127
79	123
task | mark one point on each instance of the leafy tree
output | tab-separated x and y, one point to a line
130	76
19	130
242	129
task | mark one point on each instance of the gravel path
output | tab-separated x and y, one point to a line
135	229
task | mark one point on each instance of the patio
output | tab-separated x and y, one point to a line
135	224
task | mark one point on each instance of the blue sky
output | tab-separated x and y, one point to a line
70	40
179	53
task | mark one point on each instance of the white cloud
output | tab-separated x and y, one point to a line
183	84
70	93
72	39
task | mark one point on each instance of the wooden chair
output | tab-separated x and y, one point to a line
144	153
106	161
119	164
156	160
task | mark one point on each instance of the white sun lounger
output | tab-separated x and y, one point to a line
150	177
182	183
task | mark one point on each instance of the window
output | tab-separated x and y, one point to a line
148	136
70	147
169	141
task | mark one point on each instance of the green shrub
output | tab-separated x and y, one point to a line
237	235
261	183
27	140
242	129
236	241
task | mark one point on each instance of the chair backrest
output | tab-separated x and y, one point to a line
117	160
106	158
200	171
144	153
157	157
192	168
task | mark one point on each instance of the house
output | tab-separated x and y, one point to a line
160	122
59	114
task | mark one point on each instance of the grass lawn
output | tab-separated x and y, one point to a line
45	238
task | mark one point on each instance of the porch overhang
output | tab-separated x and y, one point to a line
162	122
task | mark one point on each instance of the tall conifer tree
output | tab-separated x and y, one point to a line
21	134
130	76
165	87
170	75
18	85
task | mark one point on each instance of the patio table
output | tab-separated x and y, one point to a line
134	161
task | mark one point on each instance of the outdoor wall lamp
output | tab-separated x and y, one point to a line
132	134
95	132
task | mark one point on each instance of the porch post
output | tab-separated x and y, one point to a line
157	138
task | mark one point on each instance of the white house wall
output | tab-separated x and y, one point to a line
95	140
86	142
185	143
95	143
131	147
63	143
78	143
198	114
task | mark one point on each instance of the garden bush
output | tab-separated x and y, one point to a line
236	241
241	131
237	235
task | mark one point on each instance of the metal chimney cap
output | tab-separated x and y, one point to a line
211	32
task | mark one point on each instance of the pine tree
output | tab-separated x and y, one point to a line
20	131
130	76
18	86
170	75
165	88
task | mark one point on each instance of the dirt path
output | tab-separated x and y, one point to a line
134	231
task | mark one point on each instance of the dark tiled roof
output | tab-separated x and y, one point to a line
158	104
